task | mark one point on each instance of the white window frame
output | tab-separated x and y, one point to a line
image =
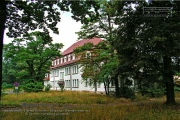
74	57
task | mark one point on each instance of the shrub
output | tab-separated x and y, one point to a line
6	85
127	92
177	88
33	87
154	90
47	88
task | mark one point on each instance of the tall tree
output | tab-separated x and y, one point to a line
32	55
103	26
145	45
150	44
97	63
21	16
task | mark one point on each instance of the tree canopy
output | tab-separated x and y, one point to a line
19	17
146	46
32	56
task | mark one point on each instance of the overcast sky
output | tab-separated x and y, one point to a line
67	28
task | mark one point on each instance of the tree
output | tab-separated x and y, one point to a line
21	16
90	64
102	26
144	45
96	62
150	45
32	55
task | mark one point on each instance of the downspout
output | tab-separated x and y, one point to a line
70	78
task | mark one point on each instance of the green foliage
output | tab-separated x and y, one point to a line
62	88
47	87
154	90
33	87
126	92
7	85
32	60
177	88
144	45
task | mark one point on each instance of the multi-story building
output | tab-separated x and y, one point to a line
66	70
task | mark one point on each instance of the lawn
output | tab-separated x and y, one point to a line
56	105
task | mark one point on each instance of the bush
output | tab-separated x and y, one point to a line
47	88
177	88
33	87
127	92
6	85
153	91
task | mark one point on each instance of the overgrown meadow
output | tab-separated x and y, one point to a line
67	105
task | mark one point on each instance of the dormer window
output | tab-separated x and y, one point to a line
73	57
59	60
64	59
69	58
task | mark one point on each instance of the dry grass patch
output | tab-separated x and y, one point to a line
86	106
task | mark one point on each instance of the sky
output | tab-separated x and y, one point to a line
67	28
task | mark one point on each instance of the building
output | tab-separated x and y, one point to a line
67	71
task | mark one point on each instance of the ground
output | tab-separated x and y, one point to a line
85	106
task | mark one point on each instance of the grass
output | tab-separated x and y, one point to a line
68	105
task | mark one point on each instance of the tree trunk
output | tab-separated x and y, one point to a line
116	85
168	78
105	87
108	86
95	86
2	28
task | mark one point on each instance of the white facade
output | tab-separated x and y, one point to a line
67	70
71	75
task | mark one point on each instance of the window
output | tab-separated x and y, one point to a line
75	69
61	75
75	83
59	60
67	71
67	83
46	75
64	59
73	58
57	73
69	58
51	74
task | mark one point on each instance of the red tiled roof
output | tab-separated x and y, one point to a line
69	50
